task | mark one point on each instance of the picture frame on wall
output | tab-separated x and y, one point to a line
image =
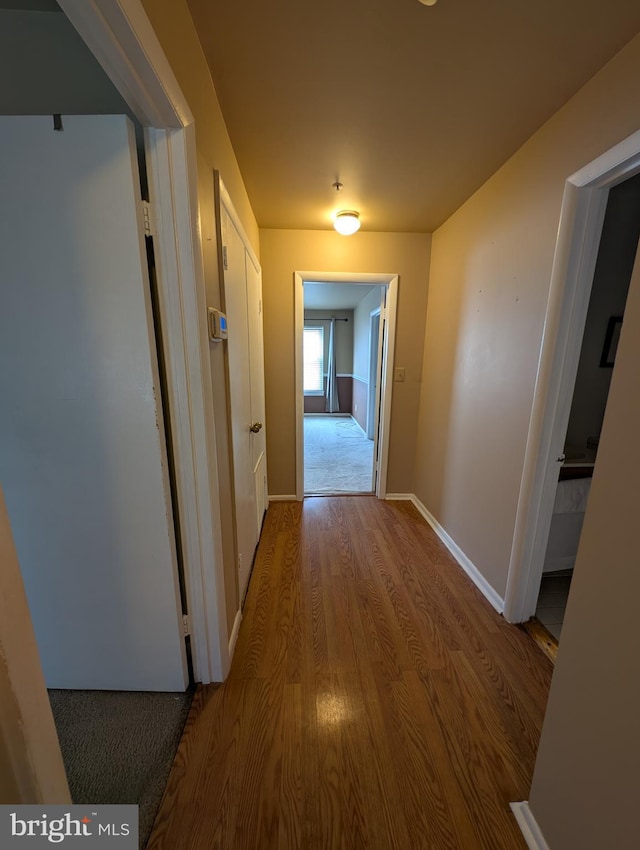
611	339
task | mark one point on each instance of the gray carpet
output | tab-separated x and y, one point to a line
338	457
118	746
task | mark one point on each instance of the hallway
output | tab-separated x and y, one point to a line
375	700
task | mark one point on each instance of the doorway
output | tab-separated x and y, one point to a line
373	293
582	218
338	387
612	276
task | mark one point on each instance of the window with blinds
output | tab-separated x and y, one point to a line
313	358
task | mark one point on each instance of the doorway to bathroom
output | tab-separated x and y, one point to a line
345	328
613	269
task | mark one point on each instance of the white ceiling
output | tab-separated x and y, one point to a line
411	107
334	296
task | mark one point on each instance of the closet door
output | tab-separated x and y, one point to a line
82	447
243	306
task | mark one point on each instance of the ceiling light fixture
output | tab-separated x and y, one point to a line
428	2
347	222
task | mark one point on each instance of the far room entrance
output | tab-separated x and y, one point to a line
341	341
344	343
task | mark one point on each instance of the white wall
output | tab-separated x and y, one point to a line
46	67
361	329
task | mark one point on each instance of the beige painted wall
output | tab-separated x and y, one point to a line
585	785
173	25
286	251
489	282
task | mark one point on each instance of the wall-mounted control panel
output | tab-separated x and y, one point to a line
217	325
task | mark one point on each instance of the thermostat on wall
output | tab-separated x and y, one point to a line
217	325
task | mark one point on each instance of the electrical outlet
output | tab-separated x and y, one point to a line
355	408
399	373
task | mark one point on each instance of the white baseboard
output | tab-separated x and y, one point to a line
282	498
467	565
529	826
234	634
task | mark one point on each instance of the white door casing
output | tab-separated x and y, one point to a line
82	445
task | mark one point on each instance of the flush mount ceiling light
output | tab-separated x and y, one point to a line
428	2
347	222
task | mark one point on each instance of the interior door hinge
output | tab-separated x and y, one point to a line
225	258
147	219
186	625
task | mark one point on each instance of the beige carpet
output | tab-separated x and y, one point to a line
338	457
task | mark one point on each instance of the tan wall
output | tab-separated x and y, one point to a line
489	282
585	786
172	23
285	251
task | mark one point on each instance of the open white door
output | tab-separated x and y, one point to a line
82	445
382	323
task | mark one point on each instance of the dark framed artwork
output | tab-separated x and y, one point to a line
611	340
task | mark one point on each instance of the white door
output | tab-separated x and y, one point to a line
82	446
256	355
243	306
382	326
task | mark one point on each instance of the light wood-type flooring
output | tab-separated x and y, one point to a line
375	700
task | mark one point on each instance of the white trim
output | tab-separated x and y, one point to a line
529	826
390	281
279	498
581	219
344	375
399	497
121	37
227	203
234	634
467	565
362	380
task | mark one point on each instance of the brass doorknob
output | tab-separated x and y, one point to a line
255	427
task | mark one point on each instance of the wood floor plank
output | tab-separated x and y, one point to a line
375	699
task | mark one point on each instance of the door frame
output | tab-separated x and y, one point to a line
390	281
581	219
120	35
